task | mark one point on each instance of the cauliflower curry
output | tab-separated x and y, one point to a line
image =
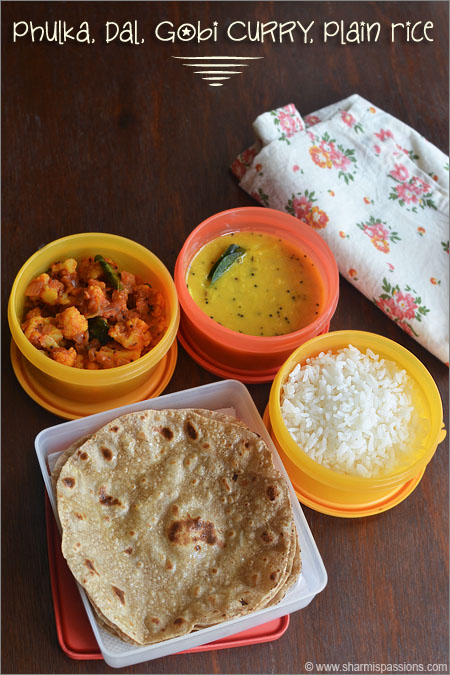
89	315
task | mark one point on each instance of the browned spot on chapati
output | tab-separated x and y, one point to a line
84	456
189	530
79	516
206	445
167	433
107	454
120	594
129	550
242	601
90	565
226	484
191	430
274	575
179	621
107	500
70	482
154	620
114	429
267	537
235	476
272	492
169	565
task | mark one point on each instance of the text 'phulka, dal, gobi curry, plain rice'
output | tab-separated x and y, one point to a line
174	520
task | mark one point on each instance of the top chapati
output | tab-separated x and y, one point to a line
173	520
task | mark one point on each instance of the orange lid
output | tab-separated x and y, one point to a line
228	353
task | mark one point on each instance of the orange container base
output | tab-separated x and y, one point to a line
74	631
221	368
334	507
70	409
248	377
226	352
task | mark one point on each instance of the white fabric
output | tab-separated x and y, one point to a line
376	191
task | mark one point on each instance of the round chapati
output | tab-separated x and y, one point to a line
173	520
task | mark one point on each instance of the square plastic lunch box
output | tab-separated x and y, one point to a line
230	395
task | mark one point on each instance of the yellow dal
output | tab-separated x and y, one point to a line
274	289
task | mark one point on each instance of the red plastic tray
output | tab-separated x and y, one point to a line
74	631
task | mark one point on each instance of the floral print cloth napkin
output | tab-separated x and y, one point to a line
376	191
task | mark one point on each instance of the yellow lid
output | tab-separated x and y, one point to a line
75	392
72	410
307	491
427	403
348	495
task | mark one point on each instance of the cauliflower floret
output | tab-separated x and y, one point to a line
74	325
79	361
65	356
88	269
42	332
95	302
67	267
128	280
45	289
109	357
117	309
132	334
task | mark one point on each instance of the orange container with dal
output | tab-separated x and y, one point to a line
73	392
228	353
351	496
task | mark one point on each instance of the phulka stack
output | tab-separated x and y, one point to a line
174	520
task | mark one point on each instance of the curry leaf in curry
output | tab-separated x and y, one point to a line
109	272
225	261
98	329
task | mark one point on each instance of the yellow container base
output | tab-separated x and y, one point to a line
359	510
345	510
71	410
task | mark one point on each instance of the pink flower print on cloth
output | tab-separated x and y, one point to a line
384	135
301	206
326	154
288	120
379	234
350	121
365	193
410	190
399	172
401	306
244	161
310	120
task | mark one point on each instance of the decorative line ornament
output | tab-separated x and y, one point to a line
221	66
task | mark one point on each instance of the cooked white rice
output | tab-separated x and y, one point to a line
350	411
